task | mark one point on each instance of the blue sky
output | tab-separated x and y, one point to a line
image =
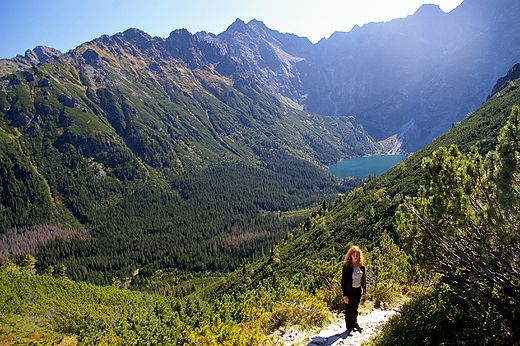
65	24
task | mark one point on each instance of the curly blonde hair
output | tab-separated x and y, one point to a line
351	251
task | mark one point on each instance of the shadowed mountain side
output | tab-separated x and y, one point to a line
411	78
362	216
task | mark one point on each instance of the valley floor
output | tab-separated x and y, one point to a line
334	334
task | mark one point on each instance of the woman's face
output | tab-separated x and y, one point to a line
355	256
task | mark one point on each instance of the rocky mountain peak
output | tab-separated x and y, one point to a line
253	30
237	26
41	53
136	36
31	58
258	26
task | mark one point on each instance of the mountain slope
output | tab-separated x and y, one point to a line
362	216
410	78
416	76
162	160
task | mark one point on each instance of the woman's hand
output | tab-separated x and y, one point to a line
345	299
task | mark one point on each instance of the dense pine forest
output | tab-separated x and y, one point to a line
297	283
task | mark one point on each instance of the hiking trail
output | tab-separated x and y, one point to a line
334	334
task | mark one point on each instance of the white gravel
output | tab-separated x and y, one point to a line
335	333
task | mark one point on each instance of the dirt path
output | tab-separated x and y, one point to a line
334	334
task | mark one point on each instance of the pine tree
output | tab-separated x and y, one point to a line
465	224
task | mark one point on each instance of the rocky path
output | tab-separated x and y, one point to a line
334	334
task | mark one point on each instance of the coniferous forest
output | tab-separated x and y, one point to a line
162	199
162	190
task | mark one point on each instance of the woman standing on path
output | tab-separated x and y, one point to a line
353	281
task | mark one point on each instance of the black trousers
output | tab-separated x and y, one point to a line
351	309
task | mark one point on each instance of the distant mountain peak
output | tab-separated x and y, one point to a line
253	27
136	34
428	10
41	53
237	25
31	58
257	23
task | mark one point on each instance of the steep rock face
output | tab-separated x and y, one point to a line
512	75
415	76
262	53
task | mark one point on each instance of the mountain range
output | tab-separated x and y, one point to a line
408	80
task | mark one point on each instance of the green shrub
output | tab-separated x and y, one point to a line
442	317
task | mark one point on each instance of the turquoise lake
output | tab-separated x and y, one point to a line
364	166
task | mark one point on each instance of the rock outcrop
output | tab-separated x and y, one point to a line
32	57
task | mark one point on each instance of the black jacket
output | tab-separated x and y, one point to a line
346	280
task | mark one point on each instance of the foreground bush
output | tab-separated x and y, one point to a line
442	317
47	309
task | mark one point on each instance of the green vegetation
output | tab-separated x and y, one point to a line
464	226
47	309
55	307
155	176
443	317
191	210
